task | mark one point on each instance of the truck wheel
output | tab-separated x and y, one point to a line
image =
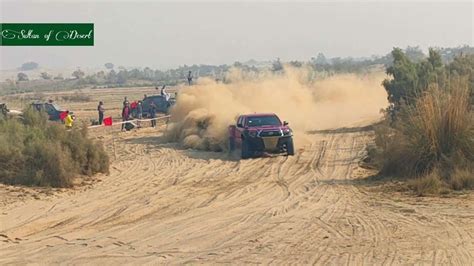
246	151
290	149
231	144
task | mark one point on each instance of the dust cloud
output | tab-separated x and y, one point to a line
204	111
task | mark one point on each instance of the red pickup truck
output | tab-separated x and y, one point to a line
258	133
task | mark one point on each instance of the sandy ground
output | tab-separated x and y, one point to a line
163	204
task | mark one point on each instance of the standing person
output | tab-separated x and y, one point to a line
190	77
68	120
101	111
125	114
153	114
165	94
133	109
163	91
139	112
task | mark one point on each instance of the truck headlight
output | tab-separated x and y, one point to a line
287	132
253	134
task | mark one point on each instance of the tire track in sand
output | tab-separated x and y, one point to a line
168	205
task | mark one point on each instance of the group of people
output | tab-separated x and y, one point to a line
135	108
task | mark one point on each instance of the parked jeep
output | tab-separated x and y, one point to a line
52	109
258	133
162	106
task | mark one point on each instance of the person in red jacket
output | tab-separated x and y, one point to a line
125	114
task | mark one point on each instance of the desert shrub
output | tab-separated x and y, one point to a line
34	119
428	133
436	132
461	179
46	164
428	184
34	151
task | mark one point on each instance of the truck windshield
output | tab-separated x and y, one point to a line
257	121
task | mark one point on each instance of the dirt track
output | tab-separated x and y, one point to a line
167	205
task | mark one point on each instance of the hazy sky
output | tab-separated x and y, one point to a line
159	34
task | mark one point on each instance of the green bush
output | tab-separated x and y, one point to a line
429	125
434	134
36	152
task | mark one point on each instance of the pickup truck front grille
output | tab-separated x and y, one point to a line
270	133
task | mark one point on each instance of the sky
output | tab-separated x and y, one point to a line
169	34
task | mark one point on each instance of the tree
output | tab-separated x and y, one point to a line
449	54
296	63
435	58
148	73
405	79
101	75
463	66
277	66
410	80
22	77
112	77
109	65
431	70
122	77
237	64
320	59
78	74
29	66
46	76
414	53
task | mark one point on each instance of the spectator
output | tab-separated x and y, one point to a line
153	114
190	77
165	94
68	120
125	114
133	109
139	112
101	111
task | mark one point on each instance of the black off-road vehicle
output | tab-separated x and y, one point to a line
52	109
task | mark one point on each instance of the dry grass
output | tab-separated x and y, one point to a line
461	179
425	185
36	152
435	133
76	97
